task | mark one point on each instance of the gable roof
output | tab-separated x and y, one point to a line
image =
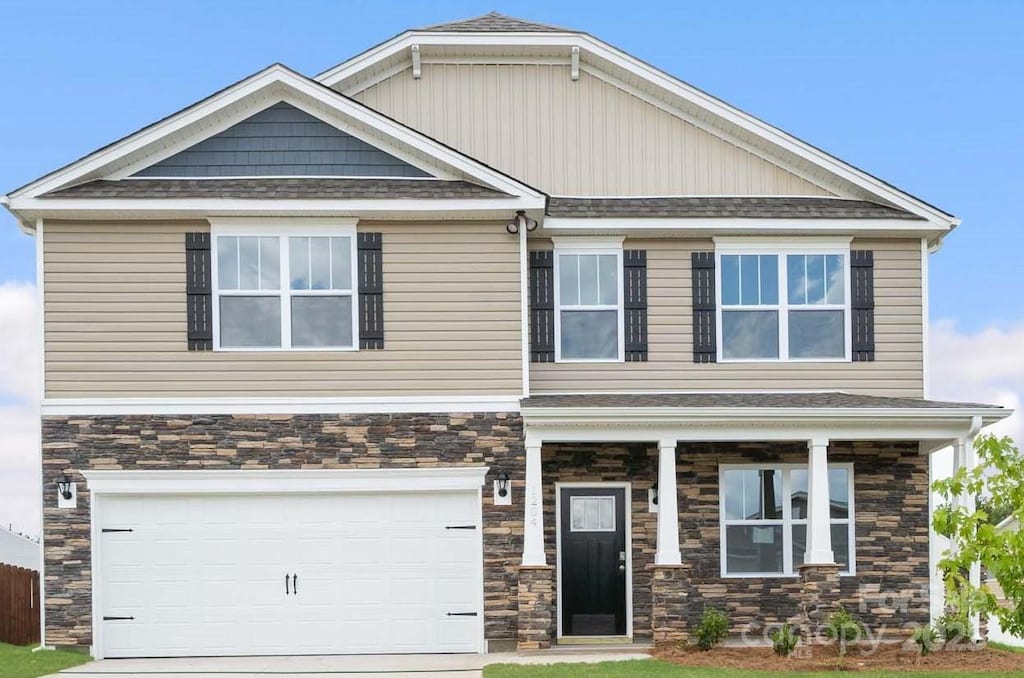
741	207
685	100
495	22
274	84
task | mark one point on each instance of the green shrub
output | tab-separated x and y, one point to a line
954	627
925	638
784	641
713	628
843	627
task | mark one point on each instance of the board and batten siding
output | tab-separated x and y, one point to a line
896	371
565	137
116	326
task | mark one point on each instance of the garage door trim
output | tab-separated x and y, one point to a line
306	481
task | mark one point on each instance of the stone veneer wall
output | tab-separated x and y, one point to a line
73	444
891	514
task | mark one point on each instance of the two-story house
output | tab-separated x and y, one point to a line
490	335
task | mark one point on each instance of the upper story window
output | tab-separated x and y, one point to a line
284	289
786	304
764	518
589	316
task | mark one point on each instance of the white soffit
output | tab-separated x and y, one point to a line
600	58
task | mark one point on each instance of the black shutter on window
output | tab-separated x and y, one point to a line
705	348
634	265
862	304
542	306
199	292
371	290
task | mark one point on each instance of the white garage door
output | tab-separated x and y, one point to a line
211	575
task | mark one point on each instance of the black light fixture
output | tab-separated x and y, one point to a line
654	494
64	485
521	220
503	484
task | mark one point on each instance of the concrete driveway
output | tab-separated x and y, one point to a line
359	666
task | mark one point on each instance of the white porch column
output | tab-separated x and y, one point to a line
667	552
970	504
533	526
819	526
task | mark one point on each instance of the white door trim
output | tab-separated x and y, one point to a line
286	480
627	516
104	483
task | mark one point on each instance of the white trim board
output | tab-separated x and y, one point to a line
355	405
276	481
690	102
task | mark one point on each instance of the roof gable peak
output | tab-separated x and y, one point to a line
494	22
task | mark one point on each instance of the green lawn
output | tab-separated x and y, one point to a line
22	662
1006	648
649	668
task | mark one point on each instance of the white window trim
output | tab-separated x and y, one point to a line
788	569
283	230
572	507
781	248
593	249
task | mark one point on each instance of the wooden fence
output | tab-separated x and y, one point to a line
19	605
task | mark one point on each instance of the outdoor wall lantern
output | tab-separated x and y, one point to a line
652	498
67	493
502	493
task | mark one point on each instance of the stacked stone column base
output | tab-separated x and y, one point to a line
669	598
819	598
536	607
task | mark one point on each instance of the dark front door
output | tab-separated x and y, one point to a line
593	561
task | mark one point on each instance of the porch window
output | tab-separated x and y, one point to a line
764	518
588	319
284	290
784	305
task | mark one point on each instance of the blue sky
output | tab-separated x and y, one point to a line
926	95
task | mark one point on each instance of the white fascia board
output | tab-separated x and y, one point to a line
276	481
281	80
97	208
592	47
227	406
777	423
737	226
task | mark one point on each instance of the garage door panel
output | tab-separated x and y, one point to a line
204	575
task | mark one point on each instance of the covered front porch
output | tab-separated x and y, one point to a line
640	510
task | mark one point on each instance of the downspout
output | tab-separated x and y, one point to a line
524	309
42	394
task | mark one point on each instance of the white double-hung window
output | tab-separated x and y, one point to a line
764	518
285	288
783	302
588	296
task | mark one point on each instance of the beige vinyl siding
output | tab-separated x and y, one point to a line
586	137
115	319
896	371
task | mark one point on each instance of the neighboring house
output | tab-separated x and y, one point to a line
995	631
18	550
491	335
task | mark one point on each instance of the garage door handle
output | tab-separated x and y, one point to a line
462	614
460	527
119	619
295	584
286	584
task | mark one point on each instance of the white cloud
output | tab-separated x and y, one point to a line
19	415
981	367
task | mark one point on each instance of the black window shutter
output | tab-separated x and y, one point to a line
199	291
634	265
705	348
542	306
862	304
371	290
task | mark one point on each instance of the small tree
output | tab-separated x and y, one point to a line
998	475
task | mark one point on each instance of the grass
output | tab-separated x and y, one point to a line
1006	648
650	668
22	662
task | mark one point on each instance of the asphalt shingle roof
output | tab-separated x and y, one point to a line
767	400
493	22
738	207
278	188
